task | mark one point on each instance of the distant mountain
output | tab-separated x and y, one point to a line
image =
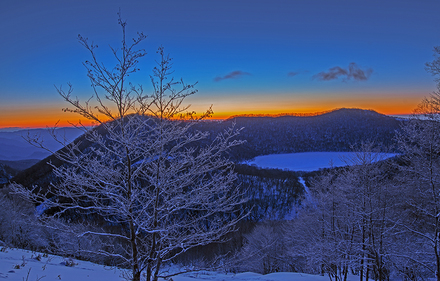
332	131
41	173
11	129
13	145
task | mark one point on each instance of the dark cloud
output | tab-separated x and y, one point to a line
352	72
331	74
358	74
232	75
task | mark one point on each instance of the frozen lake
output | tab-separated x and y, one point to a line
310	161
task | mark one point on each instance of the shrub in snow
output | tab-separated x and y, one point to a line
18	225
265	250
69	262
37	257
21	228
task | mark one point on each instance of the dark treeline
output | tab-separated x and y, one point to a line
272	193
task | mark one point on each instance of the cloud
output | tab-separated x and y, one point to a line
352	72
331	74
294	73
232	75
358	74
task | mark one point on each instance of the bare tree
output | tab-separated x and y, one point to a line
330	244
265	250
160	186
346	226
371	199
419	142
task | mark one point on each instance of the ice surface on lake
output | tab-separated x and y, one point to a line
306	161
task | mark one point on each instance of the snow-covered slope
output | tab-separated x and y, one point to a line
19	265
16	264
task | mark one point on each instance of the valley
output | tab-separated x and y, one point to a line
341	158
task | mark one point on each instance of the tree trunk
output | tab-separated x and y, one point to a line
156	273
134	253
437	256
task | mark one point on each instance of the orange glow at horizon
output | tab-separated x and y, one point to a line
41	120
382	110
39	117
34	116
386	104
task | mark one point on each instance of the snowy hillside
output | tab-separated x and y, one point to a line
21	265
18	265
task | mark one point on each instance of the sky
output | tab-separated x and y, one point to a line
247	56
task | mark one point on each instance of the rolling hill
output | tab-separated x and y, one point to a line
333	131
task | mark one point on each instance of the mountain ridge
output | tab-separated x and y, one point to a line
334	131
318	113
14	147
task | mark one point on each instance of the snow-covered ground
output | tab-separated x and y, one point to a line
306	161
16	264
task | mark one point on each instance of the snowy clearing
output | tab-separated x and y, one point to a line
53	268
306	161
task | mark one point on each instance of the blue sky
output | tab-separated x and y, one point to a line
247	56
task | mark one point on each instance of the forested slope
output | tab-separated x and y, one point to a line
334	131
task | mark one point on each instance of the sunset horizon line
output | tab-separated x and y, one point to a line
219	117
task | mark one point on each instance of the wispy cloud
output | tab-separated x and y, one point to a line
295	73
352	72
232	75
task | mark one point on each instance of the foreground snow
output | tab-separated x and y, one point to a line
54	268
306	161
250	276
16	264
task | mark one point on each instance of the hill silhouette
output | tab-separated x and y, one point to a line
337	130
